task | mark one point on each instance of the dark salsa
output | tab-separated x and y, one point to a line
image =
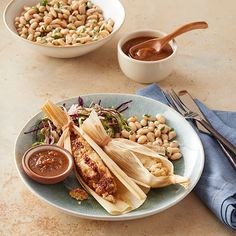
153	55
48	163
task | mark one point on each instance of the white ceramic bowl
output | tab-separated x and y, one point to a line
145	71
111	9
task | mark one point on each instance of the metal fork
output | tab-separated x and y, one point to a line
176	103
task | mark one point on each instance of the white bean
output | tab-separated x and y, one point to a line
68	39
71	26
110	22
176	156
151	136
27	16
165	144
175	150
47	20
90	11
169	150
22	20
78	23
157	133
84	39
143	122
132	119
142	139
24	30
174	144
31	11
30	37
151	124
164	137
75	6
60	15
31	31
151	129
42	8
143	131
64	31
125	133
32	21
156	123
92	17
160	118
161	127
132	126
82	9
138	125
34	25
61	42
132	137
53	12
171	135
67	12
23	36
104	33
109	28
159	141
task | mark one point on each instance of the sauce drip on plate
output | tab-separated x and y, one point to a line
152	54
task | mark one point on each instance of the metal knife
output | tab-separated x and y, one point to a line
189	101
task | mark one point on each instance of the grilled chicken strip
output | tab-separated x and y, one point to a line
91	168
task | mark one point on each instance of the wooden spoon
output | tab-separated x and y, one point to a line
143	50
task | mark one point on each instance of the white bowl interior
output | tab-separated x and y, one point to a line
111	9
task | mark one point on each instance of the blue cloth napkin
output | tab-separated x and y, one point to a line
217	185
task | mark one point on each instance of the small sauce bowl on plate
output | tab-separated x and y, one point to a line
47	164
155	67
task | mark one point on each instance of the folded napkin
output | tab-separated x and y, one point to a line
217	185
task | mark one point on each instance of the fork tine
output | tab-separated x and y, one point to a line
187	113
169	100
176	103
183	106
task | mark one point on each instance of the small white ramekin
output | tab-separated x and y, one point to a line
145	71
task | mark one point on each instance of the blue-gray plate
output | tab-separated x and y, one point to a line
191	165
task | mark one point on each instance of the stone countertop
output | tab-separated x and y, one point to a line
205	66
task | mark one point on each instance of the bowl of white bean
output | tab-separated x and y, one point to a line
64	28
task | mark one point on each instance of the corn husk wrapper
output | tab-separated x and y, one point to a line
128	196
130	156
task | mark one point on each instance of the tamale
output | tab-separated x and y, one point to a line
138	162
121	195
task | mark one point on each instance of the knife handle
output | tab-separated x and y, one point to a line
231	157
217	135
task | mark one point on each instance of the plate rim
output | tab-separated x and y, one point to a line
111	217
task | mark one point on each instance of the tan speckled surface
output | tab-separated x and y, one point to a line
205	66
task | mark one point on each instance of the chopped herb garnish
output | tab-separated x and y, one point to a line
43	3
162	128
35	8
56	36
